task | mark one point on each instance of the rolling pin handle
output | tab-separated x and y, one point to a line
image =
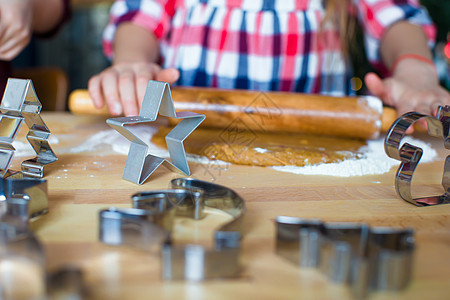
80	103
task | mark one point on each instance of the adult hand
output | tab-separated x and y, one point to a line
16	18
122	86
414	86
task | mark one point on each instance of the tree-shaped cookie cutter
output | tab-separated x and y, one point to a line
149	223
157	100
20	103
409	155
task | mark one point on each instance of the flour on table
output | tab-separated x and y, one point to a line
118	143
374	161
25	149
146	134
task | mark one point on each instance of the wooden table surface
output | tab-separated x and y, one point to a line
80	184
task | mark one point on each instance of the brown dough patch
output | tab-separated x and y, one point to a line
265	149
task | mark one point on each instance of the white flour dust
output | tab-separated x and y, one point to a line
375	161
118	143
146	133
25	149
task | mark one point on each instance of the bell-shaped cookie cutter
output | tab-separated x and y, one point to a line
366	258
20	103
140	165
409	155
150	222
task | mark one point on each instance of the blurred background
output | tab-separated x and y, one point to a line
77	49
439	11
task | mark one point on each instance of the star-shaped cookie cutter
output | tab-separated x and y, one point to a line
20	103
140	165
410	155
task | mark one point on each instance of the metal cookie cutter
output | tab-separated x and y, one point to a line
66	283
22	199
140	165
151	220
410	155
23	263
377	258
19	103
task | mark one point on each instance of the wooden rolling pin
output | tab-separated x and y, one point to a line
349	117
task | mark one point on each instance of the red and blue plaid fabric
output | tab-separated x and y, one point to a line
264	45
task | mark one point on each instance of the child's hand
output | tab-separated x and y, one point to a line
15	27
122	86
414	86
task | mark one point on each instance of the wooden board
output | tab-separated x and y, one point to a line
80	184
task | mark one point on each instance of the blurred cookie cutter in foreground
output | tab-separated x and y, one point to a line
366	258
410	155
20	103
22	199
140	165
20	252
150	223
67	282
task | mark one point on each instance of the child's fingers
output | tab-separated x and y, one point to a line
144	74
127	92
375	84
111	92
12	43
95	91
169	75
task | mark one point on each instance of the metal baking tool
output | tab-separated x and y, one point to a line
157	100
22	199
19	103
150	222
409	155
66	283
22	253
22	260
391	253
19	240
366	258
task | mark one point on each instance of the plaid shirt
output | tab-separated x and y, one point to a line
260	44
